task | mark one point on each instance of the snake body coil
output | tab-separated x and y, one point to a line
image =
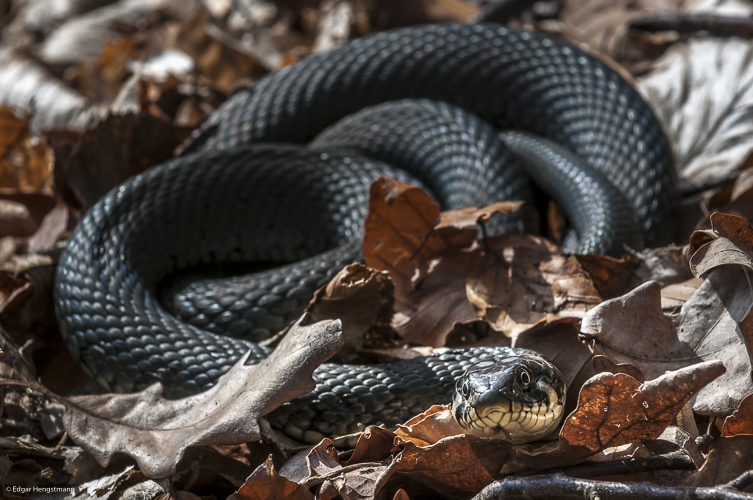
231	199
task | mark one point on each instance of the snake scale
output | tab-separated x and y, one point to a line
279	175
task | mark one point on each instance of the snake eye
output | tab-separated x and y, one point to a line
524	378
465	389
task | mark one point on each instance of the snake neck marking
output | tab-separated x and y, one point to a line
516	398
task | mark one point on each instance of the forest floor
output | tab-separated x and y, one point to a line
655	346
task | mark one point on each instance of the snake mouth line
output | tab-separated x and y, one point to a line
519	420
516	427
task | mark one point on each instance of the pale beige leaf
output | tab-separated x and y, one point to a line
703	93
156	431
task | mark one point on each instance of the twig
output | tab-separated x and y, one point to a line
670	461
563	487
692	23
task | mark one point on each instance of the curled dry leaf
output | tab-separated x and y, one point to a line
730	241
362	299
320	466
266	483
703	92
357	481
741	421
460	463
399	232
156	431
430	426
633	329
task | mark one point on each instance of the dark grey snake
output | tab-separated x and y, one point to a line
232	200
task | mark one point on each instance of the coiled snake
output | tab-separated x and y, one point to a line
240	195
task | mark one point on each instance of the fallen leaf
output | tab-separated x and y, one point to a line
27	87
513	281
401	238
221	60
460	463
265	483
728	458
730	241
113	150
615	409
741	421
604	364
674	296
524	280
357	481
334	25
26	303
475	216
15	219
362	299
41	16
614	277
604	27
428	315
611	277
83	37
156	432
399	234
703	92
51	230
632	329
429	427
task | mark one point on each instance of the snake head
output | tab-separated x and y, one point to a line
518	398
